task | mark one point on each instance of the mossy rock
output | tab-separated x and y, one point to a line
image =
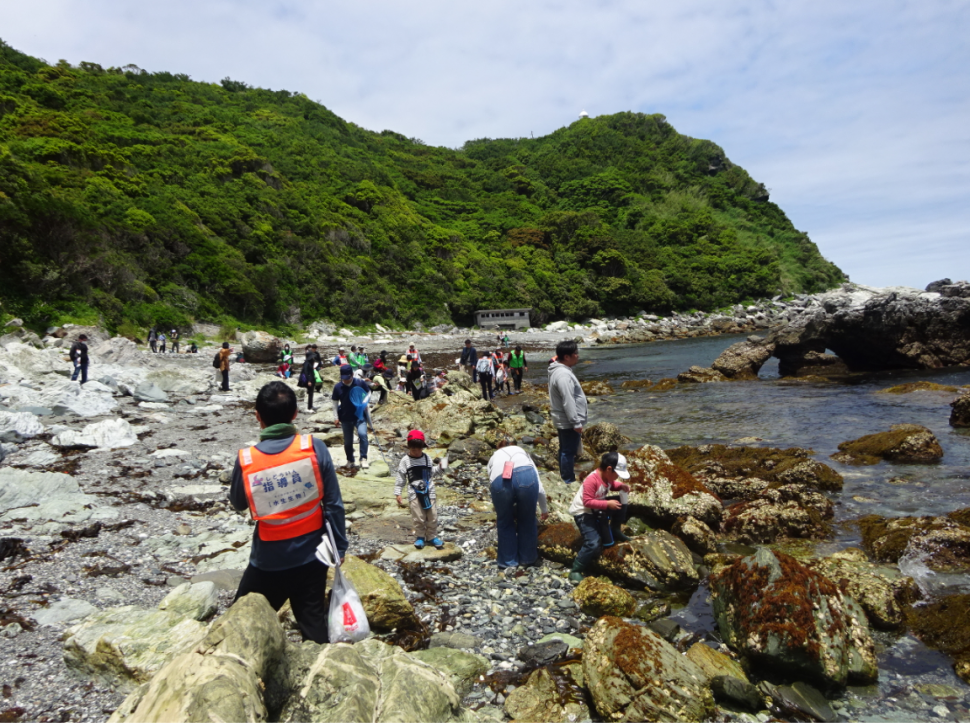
776	466
943	543
636	384
907	443
597	596
597	388
960	414
664	385
910	387
603	437
945	625
791	511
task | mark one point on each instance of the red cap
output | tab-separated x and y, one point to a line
416	435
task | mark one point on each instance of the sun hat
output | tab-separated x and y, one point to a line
620	468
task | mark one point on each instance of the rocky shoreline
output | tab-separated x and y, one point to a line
120	557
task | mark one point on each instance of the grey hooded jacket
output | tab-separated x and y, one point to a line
566	398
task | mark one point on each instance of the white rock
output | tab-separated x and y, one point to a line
197	601
63	611
16	426
109	434
170	452
41	458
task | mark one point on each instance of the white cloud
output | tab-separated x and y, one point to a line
854	114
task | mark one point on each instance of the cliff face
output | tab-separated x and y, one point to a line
150	198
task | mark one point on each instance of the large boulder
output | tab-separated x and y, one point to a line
740	472
661	492
462	668
789	619
890	328
128	645
633	674
790	511
742	360
940	543
598	597
960	416
108	434
383	599
197	601
541	699
469	450
258	347
221	677
945	624
18	426
596	388
882	591
369	681
602	437
908	443
655	560
150	392
701	375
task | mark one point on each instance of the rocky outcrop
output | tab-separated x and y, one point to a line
788	619
623	664
109	434
945	625
462	668
656	560
745	472
960	416
940	543
197	601
550	695
790	511
908	443
18	426
701	375
258	347
596	388
890	328
598	597
470	450
661	491
743	360
695	534
882	591
602	437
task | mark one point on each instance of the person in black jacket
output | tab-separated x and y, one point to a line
79	355
469	357
311	359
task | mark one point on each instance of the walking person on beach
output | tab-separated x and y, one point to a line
79	355
567	403
469	357
516	489
174	336
345	414
308	375
518	365
485	371
153	340
288	483
417	470
161	343
223	362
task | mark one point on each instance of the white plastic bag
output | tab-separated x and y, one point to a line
347	621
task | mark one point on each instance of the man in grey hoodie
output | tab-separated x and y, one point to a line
568	404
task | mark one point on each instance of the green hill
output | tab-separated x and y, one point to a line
148	197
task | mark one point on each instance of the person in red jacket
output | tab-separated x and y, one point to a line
590	504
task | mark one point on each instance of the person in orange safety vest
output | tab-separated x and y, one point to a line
289	485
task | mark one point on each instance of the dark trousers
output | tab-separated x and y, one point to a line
592	544
154	345
304	586
309	396
569	440
515	502
517	378
175	347
225	380
82	368
486	381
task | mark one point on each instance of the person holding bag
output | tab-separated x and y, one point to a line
516	489
288	483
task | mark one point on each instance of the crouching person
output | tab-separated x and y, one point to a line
598	516
288	483
417	471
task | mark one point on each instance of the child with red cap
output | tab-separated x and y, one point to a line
417	470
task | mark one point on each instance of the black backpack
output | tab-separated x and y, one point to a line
216	361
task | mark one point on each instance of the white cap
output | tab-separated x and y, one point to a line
620	468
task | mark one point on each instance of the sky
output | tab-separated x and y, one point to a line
856	115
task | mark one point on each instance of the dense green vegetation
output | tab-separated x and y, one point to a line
148	197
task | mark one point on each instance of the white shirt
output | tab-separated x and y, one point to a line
519	458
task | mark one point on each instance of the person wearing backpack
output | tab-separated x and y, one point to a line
417	470
79	355
223	363
288	483
308	375
485	371
345	414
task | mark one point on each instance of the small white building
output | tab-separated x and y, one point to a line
583	114
503	318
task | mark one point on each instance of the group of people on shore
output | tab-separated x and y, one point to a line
495	371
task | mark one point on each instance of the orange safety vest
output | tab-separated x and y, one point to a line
284	490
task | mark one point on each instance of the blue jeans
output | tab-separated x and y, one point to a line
515	517
349	426
592	544
82	369
569	440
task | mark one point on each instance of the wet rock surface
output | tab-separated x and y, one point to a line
907	443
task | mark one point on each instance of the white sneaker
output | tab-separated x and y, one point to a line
364	464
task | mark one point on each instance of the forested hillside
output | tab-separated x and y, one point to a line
148	197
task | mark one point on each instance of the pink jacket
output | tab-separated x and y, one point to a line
592	494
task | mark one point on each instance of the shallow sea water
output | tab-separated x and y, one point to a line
817	416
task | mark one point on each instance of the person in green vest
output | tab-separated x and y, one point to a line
362	359
286	356
505	341
518	365
352	359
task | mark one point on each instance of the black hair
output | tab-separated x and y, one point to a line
566	348
518	348
610	459
468	341
225	345
83	337
276	404
482	354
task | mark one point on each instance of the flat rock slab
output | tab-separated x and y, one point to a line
222	579
64	610
395	528
409	553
